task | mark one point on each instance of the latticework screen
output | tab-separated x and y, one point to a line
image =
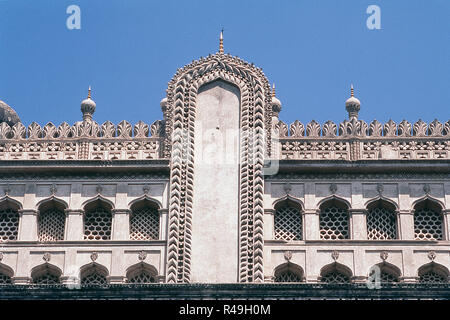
142	278
427	225
46	278
97	224
4	279
334	223
51	225
381	224
144	224
93	278
9	225
432	277
287	276
335	277
288	224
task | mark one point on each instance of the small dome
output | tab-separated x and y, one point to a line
8	115
276	104
88	106
352	101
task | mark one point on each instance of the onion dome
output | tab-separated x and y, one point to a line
163	104
276	104
352	105
8	115
88	106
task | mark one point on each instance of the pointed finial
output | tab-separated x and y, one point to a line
221	42
89	92
352	91
273	90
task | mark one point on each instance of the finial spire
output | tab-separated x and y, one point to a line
273	90
89	92
352	92
221	42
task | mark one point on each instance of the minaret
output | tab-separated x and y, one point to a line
352	105
221	42
276	104
88	107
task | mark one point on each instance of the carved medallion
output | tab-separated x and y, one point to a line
46	257
432	255
335	255
384	255
288	255
94	256
142	255
333	188
287	187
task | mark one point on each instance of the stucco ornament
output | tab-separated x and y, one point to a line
99	189
53	189
94	256
335	255
380	189
146	189
142	255
432	255
333	188
287	187
288	255
427	188
47	256
384	255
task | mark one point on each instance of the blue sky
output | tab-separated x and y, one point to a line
128	50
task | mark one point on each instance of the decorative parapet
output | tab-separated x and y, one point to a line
355	139
83	140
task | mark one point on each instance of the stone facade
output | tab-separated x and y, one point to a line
310	204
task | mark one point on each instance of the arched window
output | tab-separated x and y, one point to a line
433	273
381	221
51	221
5	275
388	272
9	221
97	221
93	275
142	273
335	273
288	221
144	221
428	221
334	220
45	274
288	272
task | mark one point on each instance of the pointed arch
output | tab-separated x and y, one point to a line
98	199
51	219
6	273
381	201
46	273
334	218
144	220
289	200
8	202
381	219
63	204
336	273
334	200
93	274
288	272
288	219
9	219
98	219
156	203
142	273
436	203
428	219
255	116
389	272
433	273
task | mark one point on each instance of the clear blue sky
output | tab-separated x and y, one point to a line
128	50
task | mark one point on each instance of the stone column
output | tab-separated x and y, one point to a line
311	224
406	224
358	224
446	213
120	224
74	224
28	225
163	223
269	224
22	274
